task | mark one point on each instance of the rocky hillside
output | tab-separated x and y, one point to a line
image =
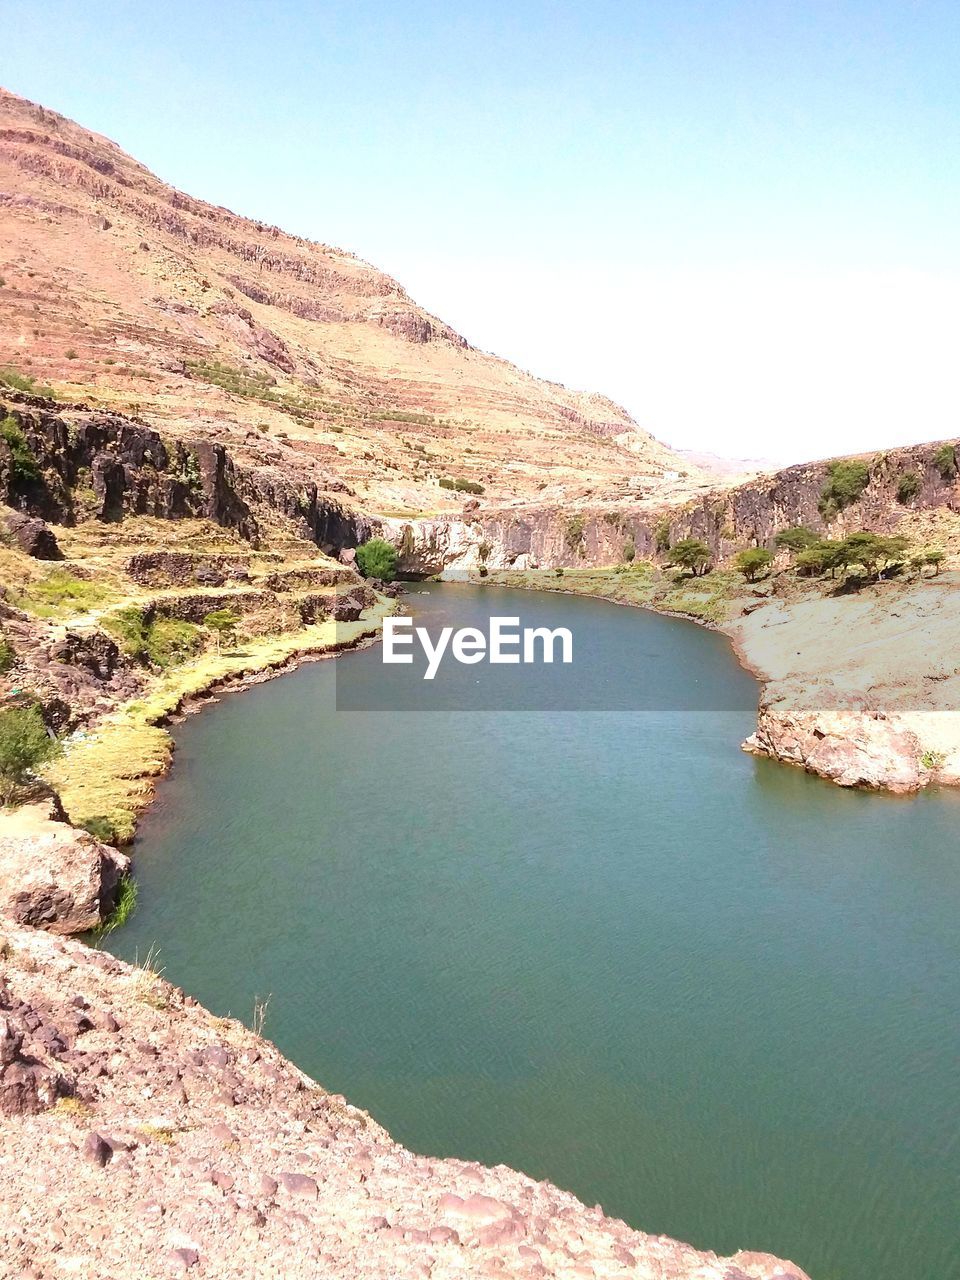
125	293
143	1137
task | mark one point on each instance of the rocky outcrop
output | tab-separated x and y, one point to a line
117	466
33	536
54	876
187	1143
727	519
27	1084
186	569
843	743
76	673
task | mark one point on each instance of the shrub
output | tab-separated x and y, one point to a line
7	655
661	534
377	558
945	460
751	561
24	464
798	538
461	485
692	554
71	354
908	486
629	551
573	533
24	744
933	759
191	475
846	481
223	623
23	382
131	628
170	642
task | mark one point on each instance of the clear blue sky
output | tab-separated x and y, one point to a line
741	219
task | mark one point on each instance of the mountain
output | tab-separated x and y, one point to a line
125	293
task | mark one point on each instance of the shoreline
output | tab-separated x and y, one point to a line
858	734
132	746
352	1179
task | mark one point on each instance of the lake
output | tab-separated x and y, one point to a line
559	920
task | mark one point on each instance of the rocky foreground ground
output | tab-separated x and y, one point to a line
144	1137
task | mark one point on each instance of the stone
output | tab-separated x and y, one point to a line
33	536
182	1259
54	876
298	1184
97	1150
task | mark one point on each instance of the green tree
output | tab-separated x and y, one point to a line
23	464
908	486
934	556
24	744
873	552
945	460
795	539
223	623
377	559
629	551
863	548
661	534
752	562
692	554
823	555
846	481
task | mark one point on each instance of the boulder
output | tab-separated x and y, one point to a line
54	876
850	744
33	536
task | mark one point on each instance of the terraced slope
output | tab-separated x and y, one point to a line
124	292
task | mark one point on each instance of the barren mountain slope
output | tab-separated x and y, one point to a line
121	291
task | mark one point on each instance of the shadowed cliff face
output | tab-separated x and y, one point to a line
113	466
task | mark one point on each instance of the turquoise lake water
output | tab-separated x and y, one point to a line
714	995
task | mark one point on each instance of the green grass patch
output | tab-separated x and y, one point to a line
23	382
123	907
102	827
170	642
60	594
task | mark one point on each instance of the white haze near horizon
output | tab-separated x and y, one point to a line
771	363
